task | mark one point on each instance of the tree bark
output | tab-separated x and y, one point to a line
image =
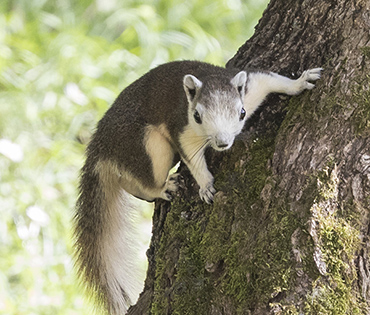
288	232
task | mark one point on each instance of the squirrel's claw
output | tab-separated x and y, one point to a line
206	194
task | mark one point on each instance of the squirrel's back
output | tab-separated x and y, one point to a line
158	96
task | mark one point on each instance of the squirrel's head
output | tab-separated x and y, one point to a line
216	110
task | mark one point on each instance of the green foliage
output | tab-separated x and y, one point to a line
61	65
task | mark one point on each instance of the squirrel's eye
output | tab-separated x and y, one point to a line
242	114
197	118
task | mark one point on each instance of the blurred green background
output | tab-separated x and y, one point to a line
62	63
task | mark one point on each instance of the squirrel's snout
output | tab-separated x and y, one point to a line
223	142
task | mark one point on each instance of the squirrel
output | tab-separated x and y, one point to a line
172	113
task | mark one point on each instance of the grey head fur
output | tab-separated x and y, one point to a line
216	108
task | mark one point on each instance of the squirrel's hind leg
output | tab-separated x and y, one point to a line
159	149
165	191
173	183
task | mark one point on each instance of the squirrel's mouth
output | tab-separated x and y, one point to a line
221	146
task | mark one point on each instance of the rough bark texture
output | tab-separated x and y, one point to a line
289	230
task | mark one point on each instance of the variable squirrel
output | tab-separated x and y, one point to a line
172	113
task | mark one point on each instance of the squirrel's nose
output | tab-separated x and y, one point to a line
222	141
222	145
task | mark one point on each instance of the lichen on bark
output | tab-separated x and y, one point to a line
336	241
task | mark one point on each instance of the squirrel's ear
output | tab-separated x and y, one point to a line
191	86
239	82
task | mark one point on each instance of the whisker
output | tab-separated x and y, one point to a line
202	145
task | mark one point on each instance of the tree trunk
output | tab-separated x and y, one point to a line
288	232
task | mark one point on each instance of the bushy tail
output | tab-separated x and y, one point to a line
106	247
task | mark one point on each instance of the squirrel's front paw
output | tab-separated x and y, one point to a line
309	75
206	193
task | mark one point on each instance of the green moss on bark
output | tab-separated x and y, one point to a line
336	242
179	257
220	254
366	51
259	266
361	98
